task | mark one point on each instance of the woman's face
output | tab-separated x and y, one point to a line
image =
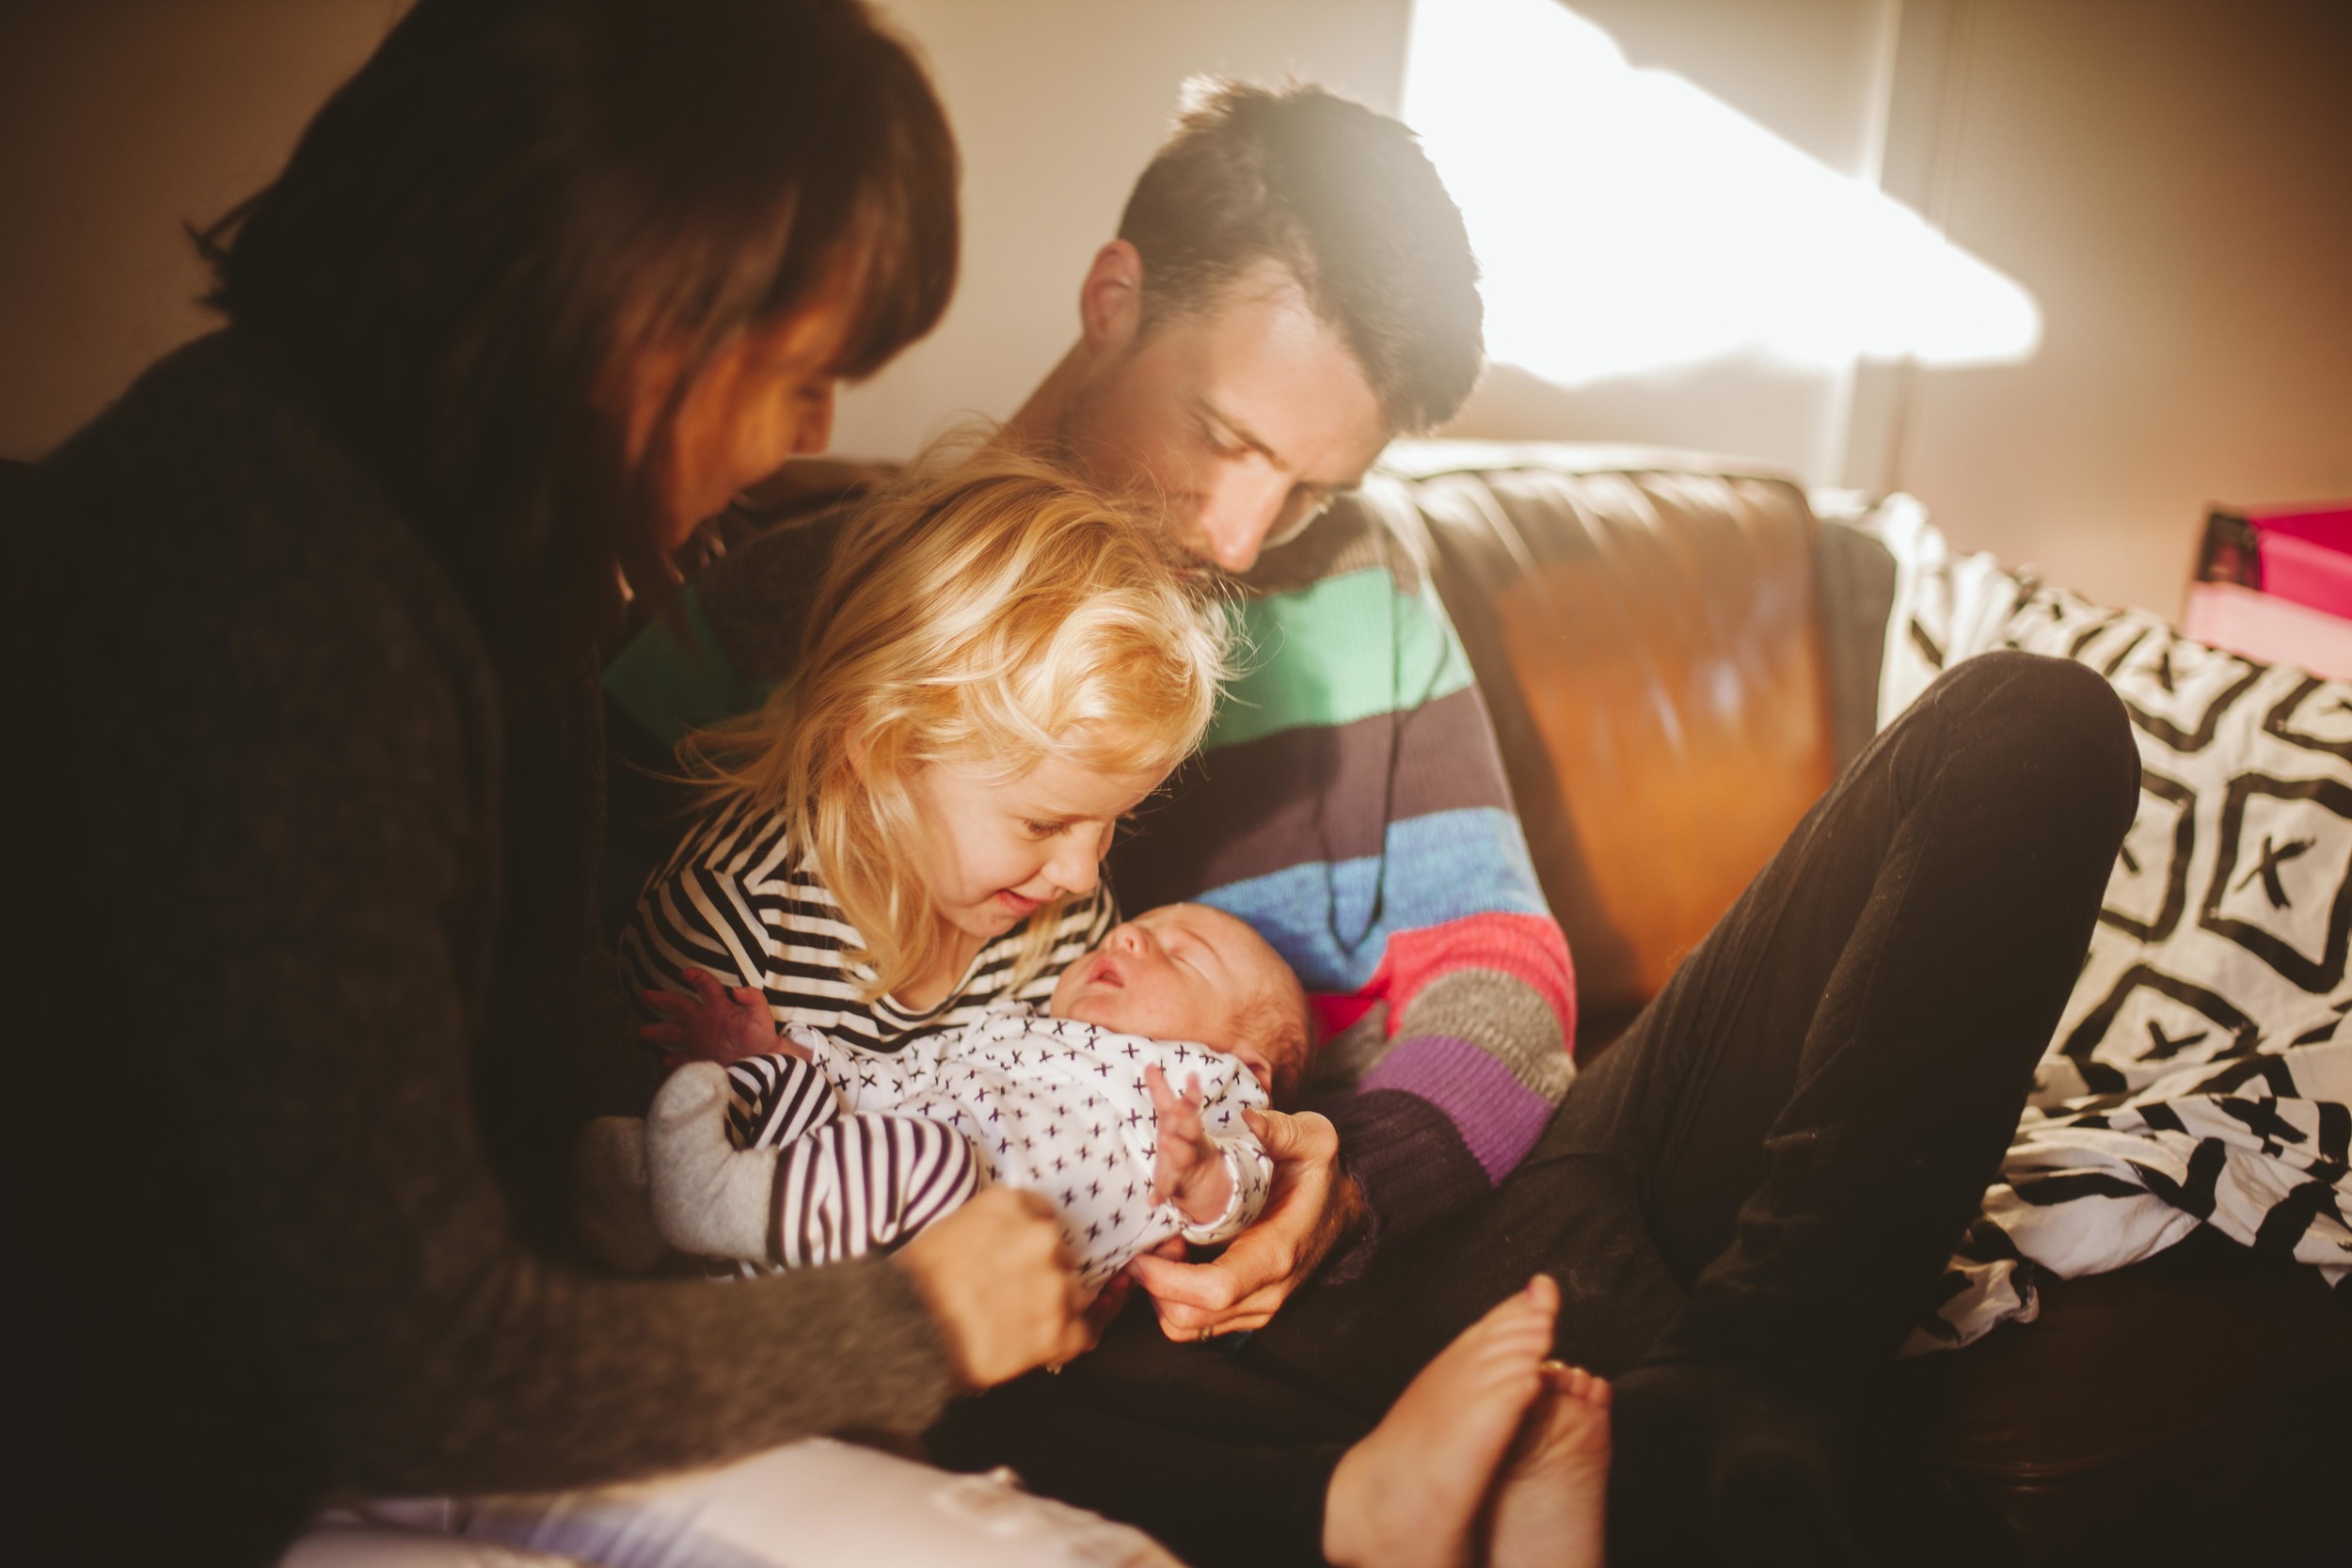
990	853
762	399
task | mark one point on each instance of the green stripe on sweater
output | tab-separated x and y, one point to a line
1346	648
674	677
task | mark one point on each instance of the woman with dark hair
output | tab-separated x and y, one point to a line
310	648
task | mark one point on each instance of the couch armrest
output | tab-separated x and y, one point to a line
1857	595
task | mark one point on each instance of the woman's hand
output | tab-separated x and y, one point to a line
1311	1209
715	1024
1000	1284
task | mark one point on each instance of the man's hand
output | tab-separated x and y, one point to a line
715	1024
1312	1208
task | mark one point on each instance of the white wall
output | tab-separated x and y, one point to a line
1806	71
2172	179
121	119
1057	105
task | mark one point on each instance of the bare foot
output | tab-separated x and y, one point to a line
1410	1495
1550	1509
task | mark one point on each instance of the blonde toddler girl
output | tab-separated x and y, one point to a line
902	857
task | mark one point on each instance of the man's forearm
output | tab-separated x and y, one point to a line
1402	1166
1474	1072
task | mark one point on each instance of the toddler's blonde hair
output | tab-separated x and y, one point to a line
989	613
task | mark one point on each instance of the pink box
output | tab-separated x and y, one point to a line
2302	554
2307	557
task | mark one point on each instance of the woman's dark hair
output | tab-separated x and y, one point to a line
512	200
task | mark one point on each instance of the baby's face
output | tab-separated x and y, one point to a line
1185	972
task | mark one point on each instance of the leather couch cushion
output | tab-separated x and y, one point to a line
1645	629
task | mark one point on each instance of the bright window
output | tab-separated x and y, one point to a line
1628	222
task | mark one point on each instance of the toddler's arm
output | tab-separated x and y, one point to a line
1218	1184
815	1185
709	1198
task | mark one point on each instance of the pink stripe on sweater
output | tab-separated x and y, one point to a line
1527	947
1334	1011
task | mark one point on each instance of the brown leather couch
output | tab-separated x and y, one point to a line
1680	658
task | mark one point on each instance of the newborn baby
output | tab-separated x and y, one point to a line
806	1149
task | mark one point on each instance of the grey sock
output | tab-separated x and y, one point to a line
709	1199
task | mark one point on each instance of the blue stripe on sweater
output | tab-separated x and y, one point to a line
1332	921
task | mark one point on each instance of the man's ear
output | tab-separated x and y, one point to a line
1110	301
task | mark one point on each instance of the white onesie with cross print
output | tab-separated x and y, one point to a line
859	1149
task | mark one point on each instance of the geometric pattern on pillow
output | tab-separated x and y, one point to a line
2196	1075
2229	915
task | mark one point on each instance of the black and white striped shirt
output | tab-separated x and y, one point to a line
739	899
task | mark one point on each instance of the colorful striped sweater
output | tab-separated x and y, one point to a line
1349	802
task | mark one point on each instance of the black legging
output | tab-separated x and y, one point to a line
1746	1201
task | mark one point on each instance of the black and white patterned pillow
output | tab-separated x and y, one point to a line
2230	906
2222	939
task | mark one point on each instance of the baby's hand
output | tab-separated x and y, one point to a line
1189	1170
715	1024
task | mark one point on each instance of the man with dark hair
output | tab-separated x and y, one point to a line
1291	288
1277	234
1748	1198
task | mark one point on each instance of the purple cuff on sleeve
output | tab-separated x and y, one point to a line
1498	1118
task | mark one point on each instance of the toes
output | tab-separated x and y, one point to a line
1521	1314
1569	1381
1540	1298
1517	1326
1577	1383
1517	1350
1509	1372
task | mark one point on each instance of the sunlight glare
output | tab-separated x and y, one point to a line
1627	222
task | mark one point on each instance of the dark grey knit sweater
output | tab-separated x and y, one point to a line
300	962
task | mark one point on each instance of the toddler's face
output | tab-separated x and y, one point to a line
1185	972
991	852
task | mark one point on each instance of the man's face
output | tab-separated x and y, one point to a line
1246	420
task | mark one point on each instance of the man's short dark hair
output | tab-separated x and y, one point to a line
1342	197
